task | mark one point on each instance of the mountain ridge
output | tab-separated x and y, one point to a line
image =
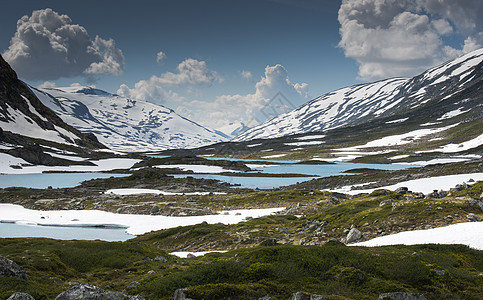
364	102
124	124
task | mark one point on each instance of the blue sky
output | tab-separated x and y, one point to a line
224	60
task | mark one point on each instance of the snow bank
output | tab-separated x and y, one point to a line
152	191
197	168
184	254
469	234
423	185
135	224
6	161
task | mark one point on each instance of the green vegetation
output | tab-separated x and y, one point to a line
334	270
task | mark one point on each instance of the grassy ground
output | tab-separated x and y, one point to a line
334	270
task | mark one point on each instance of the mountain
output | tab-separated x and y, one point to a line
24	119
365	102
124	124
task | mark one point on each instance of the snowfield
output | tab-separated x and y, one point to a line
23	167
125	192
134	224
469	234
423	185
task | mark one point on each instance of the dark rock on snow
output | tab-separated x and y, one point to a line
10	269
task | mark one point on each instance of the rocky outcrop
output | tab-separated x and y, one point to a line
20	296
401	296
86	291
10	269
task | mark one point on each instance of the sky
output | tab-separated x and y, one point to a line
219	63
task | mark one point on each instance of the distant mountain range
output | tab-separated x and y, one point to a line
366	102
123	124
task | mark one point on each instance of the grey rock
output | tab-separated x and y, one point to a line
137	297
477	203
401	296
306	296
179	294
353	235
382	203
267	297
160	259
20	296
154	209
10	269
89	292
473	217
134	284
402	190
440	272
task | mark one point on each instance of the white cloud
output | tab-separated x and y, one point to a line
190	71
47	46
47	85
247	75
405	37
160	57
274	93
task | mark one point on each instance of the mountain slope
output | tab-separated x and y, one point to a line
124	124
23	115
363	103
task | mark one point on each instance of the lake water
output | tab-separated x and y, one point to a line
12	230
55	180
275	182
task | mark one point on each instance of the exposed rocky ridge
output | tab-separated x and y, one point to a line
16	96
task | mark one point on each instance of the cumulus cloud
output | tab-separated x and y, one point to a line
47	85
190	71
247	75
405	37
47	46
160	57
156	88
274	94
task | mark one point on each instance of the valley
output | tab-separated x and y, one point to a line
299	204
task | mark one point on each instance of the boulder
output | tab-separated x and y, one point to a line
476	202
20	296
353	235
179	294
160	259
306	296
89	292
401	296
473	217
10	269
402	190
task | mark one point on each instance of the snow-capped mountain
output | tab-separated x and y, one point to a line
365	102
123	124
23	118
